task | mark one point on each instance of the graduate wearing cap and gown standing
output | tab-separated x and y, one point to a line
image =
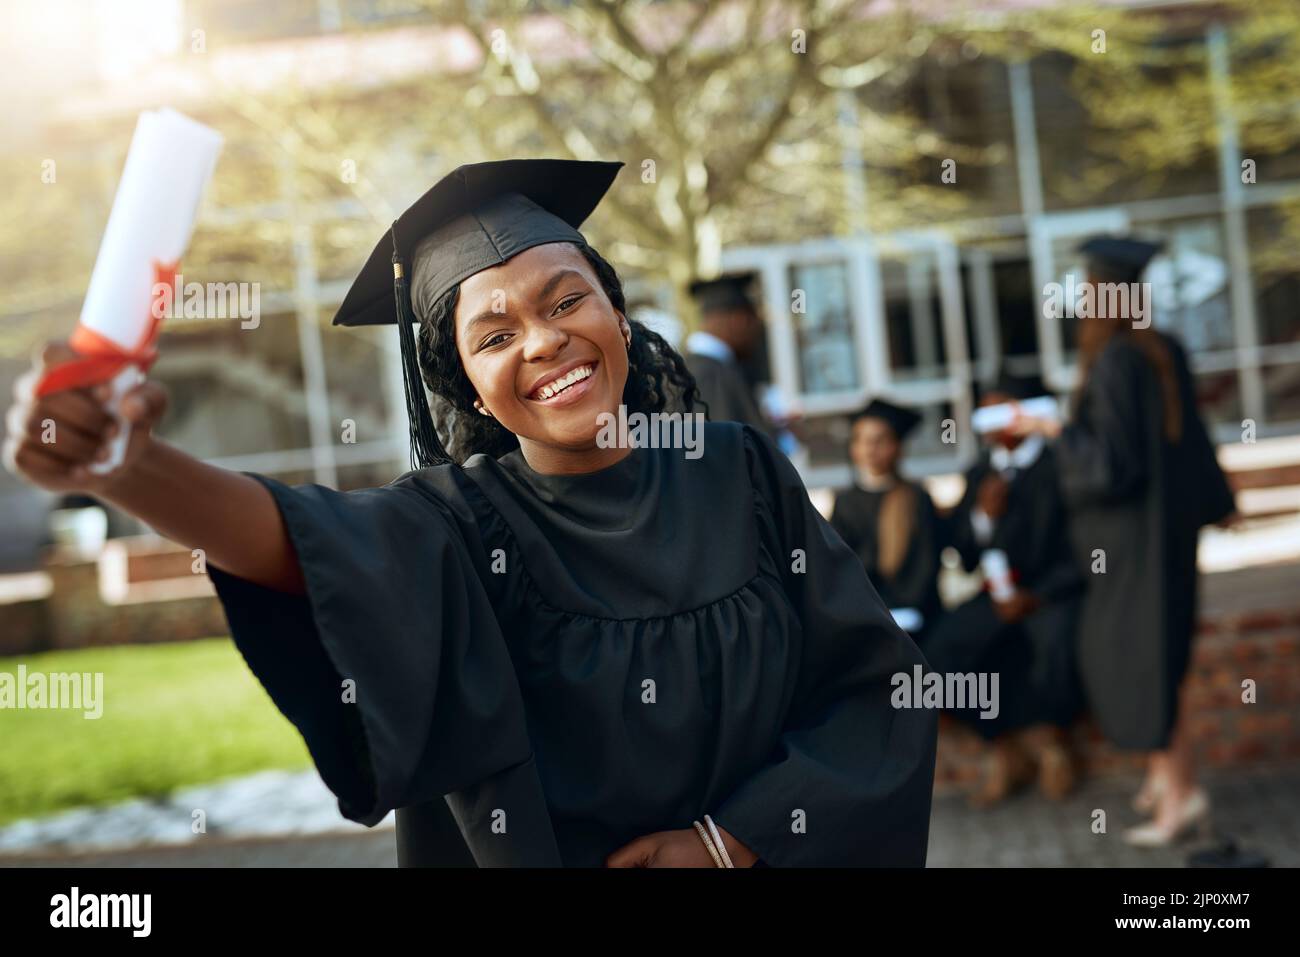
1141	479
541	647
889	522
1024	628
730	330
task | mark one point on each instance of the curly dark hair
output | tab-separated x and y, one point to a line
657	377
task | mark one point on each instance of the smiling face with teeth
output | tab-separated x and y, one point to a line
544	349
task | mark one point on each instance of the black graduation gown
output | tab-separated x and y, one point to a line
1139	501
856	516
723	386
577	661
1035	657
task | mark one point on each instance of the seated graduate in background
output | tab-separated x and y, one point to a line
730	332
888	521
1012	523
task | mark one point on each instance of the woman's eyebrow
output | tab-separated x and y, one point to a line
555	280
488	315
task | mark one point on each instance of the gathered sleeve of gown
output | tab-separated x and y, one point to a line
1103	453
849	781
392	666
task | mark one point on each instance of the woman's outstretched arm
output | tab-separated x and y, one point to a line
51	440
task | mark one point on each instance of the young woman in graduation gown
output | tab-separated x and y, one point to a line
1140	475
590	654
888	521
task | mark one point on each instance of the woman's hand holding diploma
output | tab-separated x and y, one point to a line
53	440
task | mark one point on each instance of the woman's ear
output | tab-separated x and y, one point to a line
625	327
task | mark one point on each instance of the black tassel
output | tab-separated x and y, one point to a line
426	448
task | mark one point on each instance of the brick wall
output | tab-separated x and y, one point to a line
89	606
1249	628
24	626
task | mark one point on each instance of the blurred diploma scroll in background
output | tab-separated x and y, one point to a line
167	167
997	572
995	418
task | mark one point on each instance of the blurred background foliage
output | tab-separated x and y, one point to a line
748	138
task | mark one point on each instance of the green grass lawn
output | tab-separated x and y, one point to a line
173	715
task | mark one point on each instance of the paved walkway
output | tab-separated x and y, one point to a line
1260	807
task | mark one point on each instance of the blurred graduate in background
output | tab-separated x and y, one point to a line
1012	524
888	521
1140	478
730	332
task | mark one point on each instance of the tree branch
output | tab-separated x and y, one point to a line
571	142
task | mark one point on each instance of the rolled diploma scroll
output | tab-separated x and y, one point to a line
995	418
997	572
167	167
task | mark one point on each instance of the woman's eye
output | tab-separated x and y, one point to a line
494	340
566	304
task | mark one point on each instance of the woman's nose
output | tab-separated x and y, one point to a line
542	339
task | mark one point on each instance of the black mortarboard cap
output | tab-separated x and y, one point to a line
901	420
1122	256
476	217
724	292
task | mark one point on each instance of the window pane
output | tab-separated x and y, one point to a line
913	317
1114	132
824	331
1282	392
1190	282
1017	307
964	99
1275	268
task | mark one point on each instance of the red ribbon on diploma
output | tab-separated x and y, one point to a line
100	359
